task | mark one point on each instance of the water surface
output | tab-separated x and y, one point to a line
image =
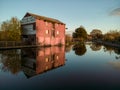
76	67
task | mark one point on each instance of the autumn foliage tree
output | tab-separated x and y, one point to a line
10	30
113	36
68	39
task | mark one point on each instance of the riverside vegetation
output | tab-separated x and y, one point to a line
10	30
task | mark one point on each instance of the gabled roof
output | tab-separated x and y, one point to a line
44	18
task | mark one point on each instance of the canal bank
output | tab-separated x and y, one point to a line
27	46
18	45
116	45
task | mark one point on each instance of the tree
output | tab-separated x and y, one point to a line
113	36
68	39
80	33
11	30
96	34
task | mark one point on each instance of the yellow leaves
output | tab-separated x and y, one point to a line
112	35
10	30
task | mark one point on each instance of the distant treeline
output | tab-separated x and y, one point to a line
81	35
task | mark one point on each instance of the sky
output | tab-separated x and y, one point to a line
92	14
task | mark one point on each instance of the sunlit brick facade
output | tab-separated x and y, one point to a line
42	30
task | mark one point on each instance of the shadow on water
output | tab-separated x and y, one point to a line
32	61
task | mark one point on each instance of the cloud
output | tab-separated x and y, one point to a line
115	12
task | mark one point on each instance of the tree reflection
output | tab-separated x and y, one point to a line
95	47
108	49
68	48
11	60
80	49
117	51
115	63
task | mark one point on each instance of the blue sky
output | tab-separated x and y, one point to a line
91	14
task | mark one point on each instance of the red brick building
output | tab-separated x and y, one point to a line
42	30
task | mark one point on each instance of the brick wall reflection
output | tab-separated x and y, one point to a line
36	61
49	58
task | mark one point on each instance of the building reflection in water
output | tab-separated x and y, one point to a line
36	61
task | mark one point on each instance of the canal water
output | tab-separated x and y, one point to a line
77	67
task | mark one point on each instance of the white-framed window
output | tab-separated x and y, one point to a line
47	31
46	59
57	57
57	32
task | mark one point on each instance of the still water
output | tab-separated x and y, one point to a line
75	67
